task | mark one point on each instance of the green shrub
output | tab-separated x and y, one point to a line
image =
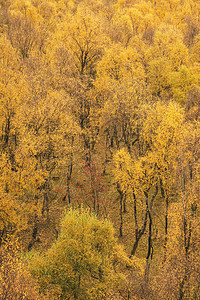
84	262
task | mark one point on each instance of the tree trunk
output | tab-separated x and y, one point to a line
164	196
34	233
138	232
121	195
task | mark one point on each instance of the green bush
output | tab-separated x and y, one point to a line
84	262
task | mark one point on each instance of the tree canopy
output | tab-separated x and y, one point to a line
100	109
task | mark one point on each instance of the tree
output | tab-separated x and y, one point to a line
142	176
85	40
24	28
167	54
84	261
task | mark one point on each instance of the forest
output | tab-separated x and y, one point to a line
100	149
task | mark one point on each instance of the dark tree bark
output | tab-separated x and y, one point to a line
69	175
121	197
149	205
165	197
138	232
34	233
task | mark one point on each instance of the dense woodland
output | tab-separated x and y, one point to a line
100	149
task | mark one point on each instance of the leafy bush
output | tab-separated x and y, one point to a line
85	260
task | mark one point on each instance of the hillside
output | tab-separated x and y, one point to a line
100	113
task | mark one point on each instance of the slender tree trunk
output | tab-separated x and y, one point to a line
116	137
106	153
121	215
150	246
165	197
124	204
69	175
121	195
34	233
45	206
166	227
138	232
149	208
